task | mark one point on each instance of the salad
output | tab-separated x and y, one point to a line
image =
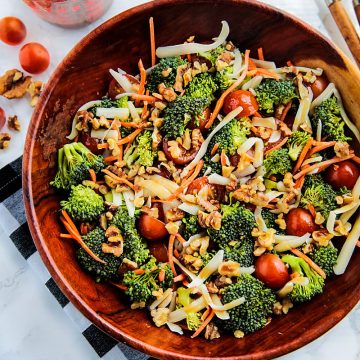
214	189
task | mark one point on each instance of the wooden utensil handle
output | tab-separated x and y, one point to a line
357	9
347	28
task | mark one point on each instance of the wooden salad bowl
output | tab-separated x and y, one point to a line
84	75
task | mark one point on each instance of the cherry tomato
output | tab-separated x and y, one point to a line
151	228
271	271
34	58
201	120
197	185
299	222
114	89
2	118
241	98
184	158
319	85
269	146
91	143
158	250
12	30
342	174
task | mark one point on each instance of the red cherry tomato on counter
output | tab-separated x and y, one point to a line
342	174
271	271
34	58
12	30
151	228
2	118
184	158
299	222
319	85
241	98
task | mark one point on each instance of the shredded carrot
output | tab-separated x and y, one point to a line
171	255
299	183
268	73
302	155
188	56
356	159
322	165
270	206
162	275
285	111
257	114
145	108
161	201
180	238
103	146
66	236
149	99
312	210
277	146
294	275
220	101
309	261
92	175
109	159
252	65
119	179
152	41
119	286
215	147
130	138
142	78
83	229
223	158
204	324
176	253
139	271
289	63
128	146
205	314
261	54
272	178
185	283
318	146
179	278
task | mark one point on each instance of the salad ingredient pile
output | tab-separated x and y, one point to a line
214	188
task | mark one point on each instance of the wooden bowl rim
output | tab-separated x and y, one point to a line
34	227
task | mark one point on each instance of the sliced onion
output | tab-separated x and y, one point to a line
317	71
326	94
223	315
275	136
166	301
129	202
302	114
74	132
348	249
180	314
191	209
128	94
237	64
218	179
122	80
185	270
289	286
312	160
202	151
259	150
160	299
356	194
104	134
265	122
175	328
134	114
259	219
288	242
111	113
117	198
155	189
250	169
319	130
253	83
330	224
168	184
193	48
264	64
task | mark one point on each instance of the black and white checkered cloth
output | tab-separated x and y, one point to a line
13	222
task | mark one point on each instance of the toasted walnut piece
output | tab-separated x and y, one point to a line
212	220
168	93
174	214
190	39
307	248
178	86
212	288
196	139
229	268
109	215
115	250
281	221
211	332
83	119
265	239
112	230
138	305
340	228
319	219
289	182
35	90
264	133
13	123
186	140
172	227
187	77
192	262
230	46
322	237
95	124
104	122
4	140
103	222
342	149
113	146
232	186
160	316
259	250
207	205
13	84
158	293
285	129
160	105
166	72
339	200
286	305
222	281
277	308
239	334
220	64
226	171
103	189
198	246
116	239
91	184
153	212
132	265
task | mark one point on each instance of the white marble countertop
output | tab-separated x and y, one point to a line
32	324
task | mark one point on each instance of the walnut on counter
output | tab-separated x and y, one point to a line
13	84
4	140
13	123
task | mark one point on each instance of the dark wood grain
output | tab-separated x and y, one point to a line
83	76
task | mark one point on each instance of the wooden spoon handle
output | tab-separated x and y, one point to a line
357	9
346	27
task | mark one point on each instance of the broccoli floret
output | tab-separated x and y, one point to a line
253	314
296	143
106	102
319	194
213	55
141	151
193	320
202	86
344	191
277	162
206	257
271	93
325	257
269	219
190	226
141	286
83	204
303	293
101	272
234	236
156	76
224	79
328	112
74	162
179	112
135	247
